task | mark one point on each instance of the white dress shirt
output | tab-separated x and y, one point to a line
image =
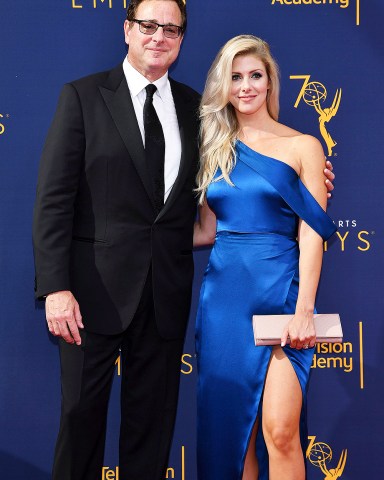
165	109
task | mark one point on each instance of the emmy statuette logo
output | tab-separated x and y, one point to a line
320	455
314	95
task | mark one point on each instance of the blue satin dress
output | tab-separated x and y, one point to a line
253	269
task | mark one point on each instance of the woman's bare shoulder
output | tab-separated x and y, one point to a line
301	147
298	139
282	130
309	150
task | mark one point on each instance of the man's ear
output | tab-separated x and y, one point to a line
127	31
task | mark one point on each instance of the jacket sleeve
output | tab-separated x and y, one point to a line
60	169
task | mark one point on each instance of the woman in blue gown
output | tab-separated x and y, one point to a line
262	201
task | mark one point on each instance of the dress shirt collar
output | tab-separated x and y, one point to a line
137	82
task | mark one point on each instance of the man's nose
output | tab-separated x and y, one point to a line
158	36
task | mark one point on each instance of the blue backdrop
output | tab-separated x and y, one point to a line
330	54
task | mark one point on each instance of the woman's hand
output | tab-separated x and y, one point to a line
301	332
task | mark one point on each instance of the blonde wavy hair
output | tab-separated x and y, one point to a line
219	126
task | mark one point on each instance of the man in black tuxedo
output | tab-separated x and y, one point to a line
113	228
113	235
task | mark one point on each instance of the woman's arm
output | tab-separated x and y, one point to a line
301	328
205	227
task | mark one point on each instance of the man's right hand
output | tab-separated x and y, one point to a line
63	316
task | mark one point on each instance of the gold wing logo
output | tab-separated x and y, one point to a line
319	454
314	94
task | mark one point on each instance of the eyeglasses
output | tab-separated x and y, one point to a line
149	28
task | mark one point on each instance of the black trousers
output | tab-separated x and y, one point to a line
149	392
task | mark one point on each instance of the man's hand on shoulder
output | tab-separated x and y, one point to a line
63	316
330	177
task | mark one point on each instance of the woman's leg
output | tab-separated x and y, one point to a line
281	418
251	468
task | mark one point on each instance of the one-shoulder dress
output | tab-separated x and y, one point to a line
253	269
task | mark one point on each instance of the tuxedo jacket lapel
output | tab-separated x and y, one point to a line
116	95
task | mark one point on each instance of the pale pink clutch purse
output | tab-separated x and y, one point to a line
268	329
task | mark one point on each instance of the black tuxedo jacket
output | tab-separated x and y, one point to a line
96	231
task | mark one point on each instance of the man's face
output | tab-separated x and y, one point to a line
152	55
